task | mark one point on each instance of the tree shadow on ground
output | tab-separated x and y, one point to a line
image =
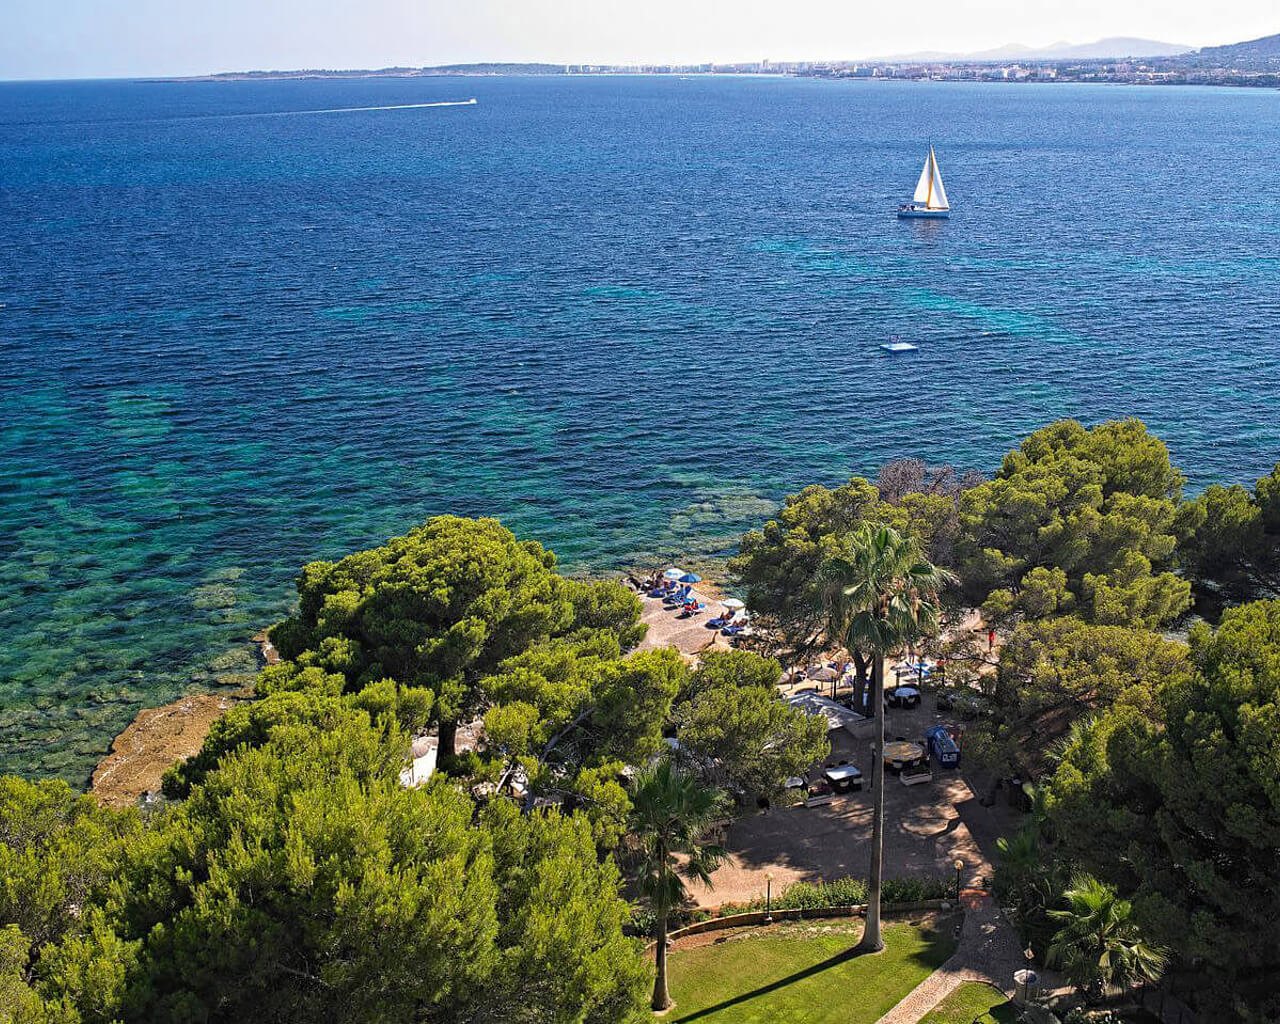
833	961
939	948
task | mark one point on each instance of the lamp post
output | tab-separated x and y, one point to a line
768	898
959	866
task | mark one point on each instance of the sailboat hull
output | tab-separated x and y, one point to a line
908	212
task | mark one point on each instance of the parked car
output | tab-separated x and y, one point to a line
942	745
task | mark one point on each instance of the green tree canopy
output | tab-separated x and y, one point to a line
1236	550
728	668
572	720
19	1001
1055	672
299	882
1181	807
562	708
440	609
735	727
60	854
255	723
779	563
1102	506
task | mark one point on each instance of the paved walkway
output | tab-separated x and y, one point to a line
988	951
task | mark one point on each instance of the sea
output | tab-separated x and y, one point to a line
249	324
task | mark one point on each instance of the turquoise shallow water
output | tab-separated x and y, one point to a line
625	315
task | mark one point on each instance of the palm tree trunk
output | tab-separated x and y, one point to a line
661	998
860	664
871	940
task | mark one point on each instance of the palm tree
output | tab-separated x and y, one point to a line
1028	883
672	812
1020	856
879	595
1099	943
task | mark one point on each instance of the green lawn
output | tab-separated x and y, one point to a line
972	1003
801	972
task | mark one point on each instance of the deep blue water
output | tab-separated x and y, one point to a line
624	315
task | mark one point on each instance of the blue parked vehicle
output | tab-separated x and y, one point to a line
943	746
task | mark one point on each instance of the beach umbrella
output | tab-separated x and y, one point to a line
691	577
822	672
673	574
733	604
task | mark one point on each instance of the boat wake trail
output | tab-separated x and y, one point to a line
258	113
352	110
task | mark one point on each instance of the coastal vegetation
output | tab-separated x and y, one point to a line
1180	808
294	877
1155	753
300	881
291	874
1099	944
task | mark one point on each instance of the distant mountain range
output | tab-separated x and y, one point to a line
1117	46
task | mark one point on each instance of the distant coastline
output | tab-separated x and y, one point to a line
1021	75
1255	63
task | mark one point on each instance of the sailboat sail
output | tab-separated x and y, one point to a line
929	190
926	175
939	199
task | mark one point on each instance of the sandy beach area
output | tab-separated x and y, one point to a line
689	634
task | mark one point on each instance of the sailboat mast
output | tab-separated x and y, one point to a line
928	203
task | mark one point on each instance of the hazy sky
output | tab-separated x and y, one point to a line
121	38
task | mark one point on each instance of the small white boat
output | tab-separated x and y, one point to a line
899	346
930	198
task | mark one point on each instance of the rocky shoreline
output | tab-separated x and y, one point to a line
152	742
158	737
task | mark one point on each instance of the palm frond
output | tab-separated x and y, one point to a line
880	593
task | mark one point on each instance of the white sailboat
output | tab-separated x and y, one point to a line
931	198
